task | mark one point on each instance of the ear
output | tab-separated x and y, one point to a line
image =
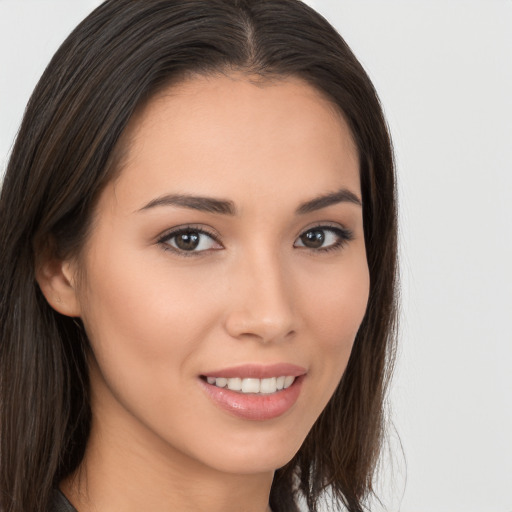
56	279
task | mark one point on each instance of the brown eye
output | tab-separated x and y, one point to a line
190	241
187	241
313	238
324	238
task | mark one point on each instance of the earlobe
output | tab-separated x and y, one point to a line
57	283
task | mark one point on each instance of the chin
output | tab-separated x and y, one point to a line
254	453
250	464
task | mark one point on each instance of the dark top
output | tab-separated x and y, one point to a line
60	503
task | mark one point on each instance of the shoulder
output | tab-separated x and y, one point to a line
59	503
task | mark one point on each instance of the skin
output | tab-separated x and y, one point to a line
158	318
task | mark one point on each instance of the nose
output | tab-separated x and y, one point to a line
260	300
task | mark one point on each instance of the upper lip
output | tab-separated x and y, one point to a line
258	371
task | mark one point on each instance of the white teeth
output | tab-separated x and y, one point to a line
235	384
221	382
268	385
288	381
251	385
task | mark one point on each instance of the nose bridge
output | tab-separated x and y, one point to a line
262	297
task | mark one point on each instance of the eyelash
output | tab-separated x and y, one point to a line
164	240
344	236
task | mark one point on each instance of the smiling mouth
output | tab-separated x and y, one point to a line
255	392
265	386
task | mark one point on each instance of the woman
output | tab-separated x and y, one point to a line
198	266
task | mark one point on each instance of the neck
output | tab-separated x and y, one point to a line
123	471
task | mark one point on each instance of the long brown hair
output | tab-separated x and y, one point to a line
112	63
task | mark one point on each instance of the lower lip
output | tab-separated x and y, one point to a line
255	407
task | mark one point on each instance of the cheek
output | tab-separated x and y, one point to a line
340	300
334	318
143	319
146	328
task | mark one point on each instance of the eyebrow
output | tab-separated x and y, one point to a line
341	196
203	204
226	207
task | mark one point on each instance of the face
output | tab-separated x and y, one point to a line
227	254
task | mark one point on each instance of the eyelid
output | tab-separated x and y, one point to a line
345	235
163	239
335	226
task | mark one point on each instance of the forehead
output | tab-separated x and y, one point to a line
223	134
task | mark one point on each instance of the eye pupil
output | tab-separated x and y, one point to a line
313	238
187	241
